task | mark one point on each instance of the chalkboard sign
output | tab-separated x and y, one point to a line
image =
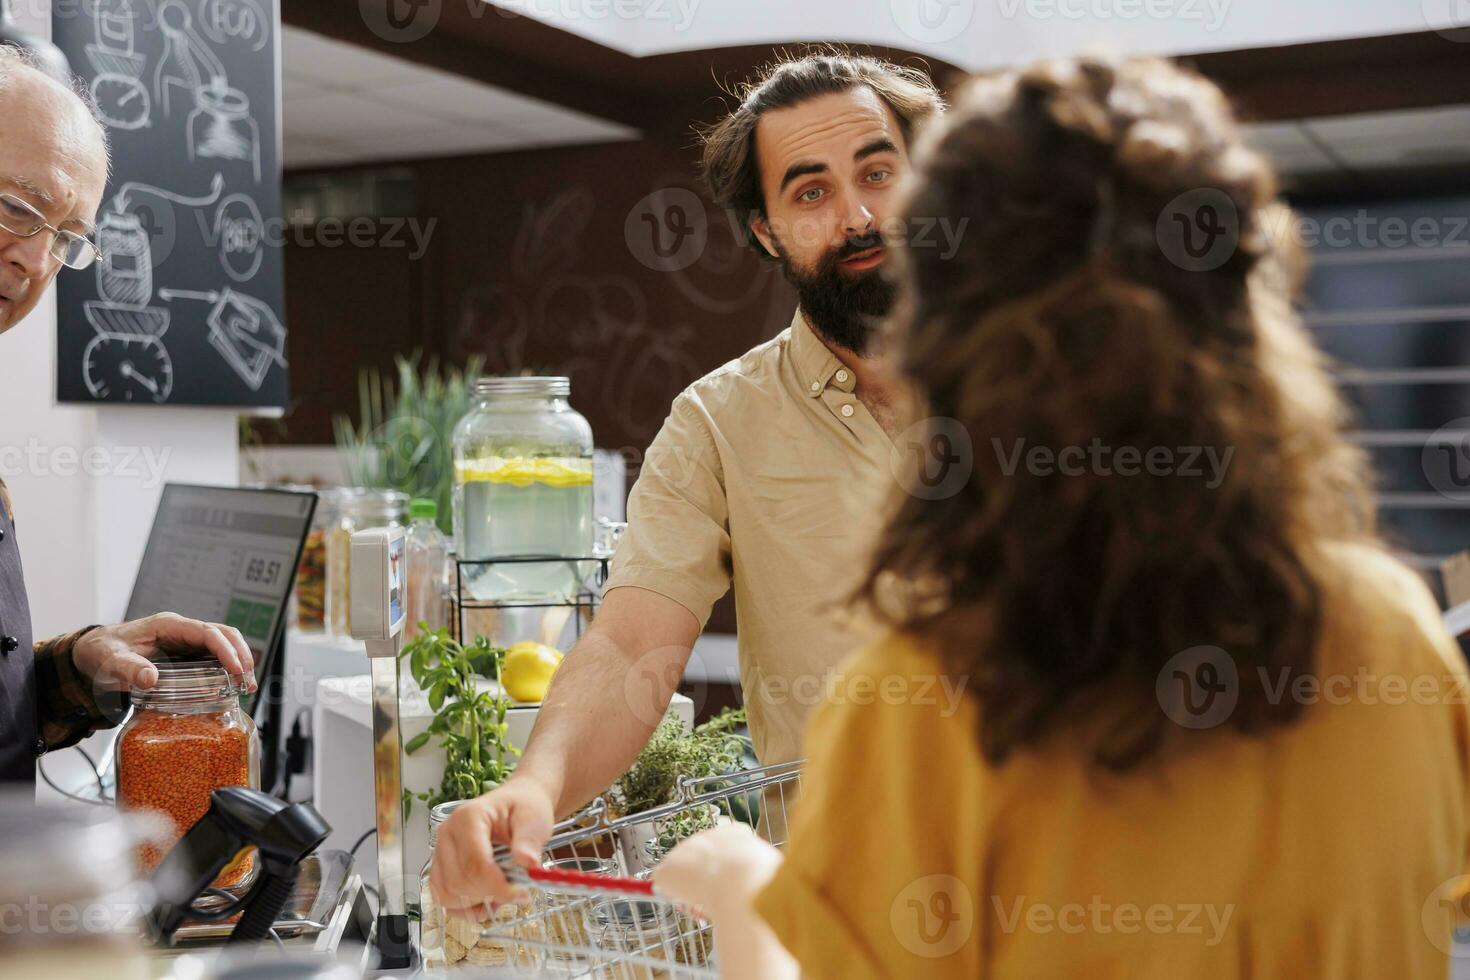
186	305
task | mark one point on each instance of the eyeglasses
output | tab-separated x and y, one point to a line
70	249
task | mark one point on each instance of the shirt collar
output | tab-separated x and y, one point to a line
816	365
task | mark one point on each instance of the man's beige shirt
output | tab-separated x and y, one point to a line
770	474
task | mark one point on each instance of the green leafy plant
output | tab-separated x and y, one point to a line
403	439
469	723
712	749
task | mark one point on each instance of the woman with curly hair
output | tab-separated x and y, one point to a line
1210	727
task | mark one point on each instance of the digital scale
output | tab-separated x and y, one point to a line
377	608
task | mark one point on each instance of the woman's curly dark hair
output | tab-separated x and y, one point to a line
1069	317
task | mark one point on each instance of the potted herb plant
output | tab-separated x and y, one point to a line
712	749
469	720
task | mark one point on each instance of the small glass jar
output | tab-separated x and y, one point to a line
523	489
357	508
632	933
565	914
309	601
454	943
70	892
187	737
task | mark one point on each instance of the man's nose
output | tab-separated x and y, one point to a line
30	257
859	219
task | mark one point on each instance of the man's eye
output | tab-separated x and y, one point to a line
879	176
810	195
15	210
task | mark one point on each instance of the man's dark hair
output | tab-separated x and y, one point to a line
730	166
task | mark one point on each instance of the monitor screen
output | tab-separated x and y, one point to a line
224	555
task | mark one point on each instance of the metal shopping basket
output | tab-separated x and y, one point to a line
592	911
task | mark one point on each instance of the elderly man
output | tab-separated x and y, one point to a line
53	171
766	475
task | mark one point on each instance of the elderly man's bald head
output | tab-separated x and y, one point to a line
53	158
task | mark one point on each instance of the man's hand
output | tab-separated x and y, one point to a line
116	657
464	874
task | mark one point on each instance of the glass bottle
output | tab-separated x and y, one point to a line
187	737
523	489
427	556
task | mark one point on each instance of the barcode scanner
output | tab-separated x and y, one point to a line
282	833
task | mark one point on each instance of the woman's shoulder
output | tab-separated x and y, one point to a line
898	683
1379	610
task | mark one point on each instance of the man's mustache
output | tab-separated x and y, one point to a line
856	244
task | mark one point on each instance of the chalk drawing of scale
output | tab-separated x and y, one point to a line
127	360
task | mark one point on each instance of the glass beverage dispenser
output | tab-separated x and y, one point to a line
523	489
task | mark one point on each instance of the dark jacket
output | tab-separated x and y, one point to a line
45	703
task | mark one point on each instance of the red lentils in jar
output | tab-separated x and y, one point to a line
188	737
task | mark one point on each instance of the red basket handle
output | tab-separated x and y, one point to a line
584	879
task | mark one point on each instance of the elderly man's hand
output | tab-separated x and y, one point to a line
116	657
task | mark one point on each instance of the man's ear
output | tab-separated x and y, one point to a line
762	230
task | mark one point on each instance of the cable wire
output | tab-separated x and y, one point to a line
101	787
41	768
362	840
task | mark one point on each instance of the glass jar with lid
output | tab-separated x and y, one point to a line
642	936
187	737
454	943
356	508
70	890
523	490
309	598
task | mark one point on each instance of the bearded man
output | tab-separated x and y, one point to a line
768	474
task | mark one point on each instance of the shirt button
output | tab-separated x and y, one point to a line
2	534
38	747
816	386
847	411
841	376
9	644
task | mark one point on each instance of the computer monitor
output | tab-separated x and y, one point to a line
225	555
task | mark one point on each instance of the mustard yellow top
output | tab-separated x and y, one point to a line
1328	848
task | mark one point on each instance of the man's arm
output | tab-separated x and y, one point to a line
609	696
83	678
605	701
70	707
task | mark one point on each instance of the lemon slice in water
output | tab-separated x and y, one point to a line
522	471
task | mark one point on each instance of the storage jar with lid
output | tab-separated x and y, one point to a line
523	490
187	737
310	595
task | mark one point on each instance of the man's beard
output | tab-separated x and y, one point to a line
843	309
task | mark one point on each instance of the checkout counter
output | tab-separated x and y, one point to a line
346	896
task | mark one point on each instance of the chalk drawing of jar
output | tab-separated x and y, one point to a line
125	274
221	128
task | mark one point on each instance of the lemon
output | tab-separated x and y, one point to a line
528	669
522	471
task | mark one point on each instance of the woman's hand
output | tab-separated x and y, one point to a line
719	870
117	657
